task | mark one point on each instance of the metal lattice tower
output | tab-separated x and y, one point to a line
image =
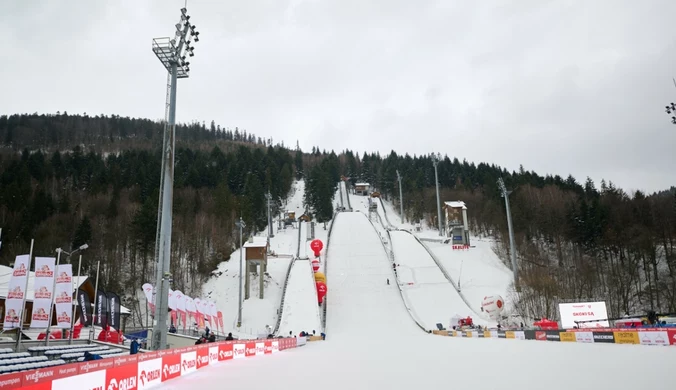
435	160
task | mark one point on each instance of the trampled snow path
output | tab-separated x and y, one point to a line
372	343
301	311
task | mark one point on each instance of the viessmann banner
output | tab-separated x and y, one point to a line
584	311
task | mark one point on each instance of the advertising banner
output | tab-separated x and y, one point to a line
654	338
63	295
584	311
101	309
84	306
16	292
148	292
114	310
43	287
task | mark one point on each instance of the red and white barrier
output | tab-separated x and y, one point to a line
140	371
460	247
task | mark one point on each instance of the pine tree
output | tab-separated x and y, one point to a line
83	233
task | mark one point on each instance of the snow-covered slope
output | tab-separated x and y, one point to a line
359	300
301	311
431	295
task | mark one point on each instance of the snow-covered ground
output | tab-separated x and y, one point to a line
301	311
432	296
373	343
257	313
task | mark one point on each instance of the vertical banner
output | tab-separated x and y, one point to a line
15	292
101	310
148	292
84	305
212	313
198	313
43	287
114	310
63	295
220	321
180	306
205	311
190	308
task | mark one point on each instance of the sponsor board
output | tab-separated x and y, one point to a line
188	362
654	338
541	336
510	334
171	367
501	334
202	357
250	349
468	334
583	337
487	334
260	349
225	352
122	377
275	346
95	380
603	337
213	355
567	337
520	335
626	338
595	312
239	351
149	373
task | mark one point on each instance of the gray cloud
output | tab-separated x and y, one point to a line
560	87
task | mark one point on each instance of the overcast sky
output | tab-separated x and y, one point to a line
564	86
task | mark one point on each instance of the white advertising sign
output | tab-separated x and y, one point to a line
654	338
43	287
584	311
16	292
63	295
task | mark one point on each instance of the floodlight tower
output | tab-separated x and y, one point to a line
512	247
172	54
435	160
401	199
671	107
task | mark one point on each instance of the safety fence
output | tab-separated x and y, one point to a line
142	370
648	336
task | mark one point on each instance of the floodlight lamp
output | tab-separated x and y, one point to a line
173	42
192	54
184	10
197	39
59	250
178	26
84	246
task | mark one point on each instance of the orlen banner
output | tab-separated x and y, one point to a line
585	311
16	291
64	295
43	290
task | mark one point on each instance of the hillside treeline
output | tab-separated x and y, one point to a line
109	200
67	179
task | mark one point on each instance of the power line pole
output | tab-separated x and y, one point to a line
241	225
401	199
512	247
268	196
172	54
435	160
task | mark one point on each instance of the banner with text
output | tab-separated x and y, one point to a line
148	292
84	305
583	311
16	292
114	310
63	295
43	287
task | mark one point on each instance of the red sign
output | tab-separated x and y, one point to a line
268	347
202	357
672	336
171	366
541	336
250	349
224	352
122	377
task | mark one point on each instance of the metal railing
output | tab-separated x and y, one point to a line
326	268
280	311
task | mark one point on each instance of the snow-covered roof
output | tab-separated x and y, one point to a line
456	204
362	184
6	274
258	242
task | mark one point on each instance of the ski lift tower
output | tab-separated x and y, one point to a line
172	53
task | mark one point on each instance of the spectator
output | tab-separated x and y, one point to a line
212	338
229	337
172	329
134	347
90	356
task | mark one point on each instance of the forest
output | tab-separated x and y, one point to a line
69	179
